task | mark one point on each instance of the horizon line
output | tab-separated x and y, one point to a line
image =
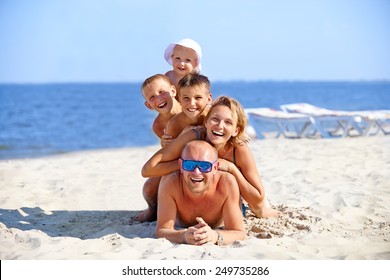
212	81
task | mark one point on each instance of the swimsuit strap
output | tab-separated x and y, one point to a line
234	156
243	206
197	133
200	132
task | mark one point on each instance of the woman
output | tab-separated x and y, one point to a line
224	128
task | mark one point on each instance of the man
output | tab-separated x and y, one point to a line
200	200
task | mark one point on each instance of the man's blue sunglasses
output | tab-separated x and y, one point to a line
203	166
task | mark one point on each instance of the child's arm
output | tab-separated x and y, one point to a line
158	128
175	125
164	161
165	139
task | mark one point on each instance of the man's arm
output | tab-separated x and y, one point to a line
167	210
231	212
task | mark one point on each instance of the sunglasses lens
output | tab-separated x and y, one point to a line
190	165
204	166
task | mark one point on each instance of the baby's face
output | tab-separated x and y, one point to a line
184	60
158	95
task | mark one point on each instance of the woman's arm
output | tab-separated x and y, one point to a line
232	215
246	174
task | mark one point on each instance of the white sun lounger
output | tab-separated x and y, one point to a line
350	123
374	121
290	125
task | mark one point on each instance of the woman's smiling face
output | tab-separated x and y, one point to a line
221	125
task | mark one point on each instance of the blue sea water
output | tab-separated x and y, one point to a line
43	119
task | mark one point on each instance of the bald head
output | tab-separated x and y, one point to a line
199	150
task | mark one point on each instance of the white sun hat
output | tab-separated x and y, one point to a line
188	43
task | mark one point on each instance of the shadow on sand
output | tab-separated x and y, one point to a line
89	224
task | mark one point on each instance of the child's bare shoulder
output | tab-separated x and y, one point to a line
159	125
170	74
177	118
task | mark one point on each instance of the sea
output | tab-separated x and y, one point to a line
44	119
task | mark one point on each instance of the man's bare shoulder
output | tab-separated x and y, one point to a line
227	182
170	181
226	177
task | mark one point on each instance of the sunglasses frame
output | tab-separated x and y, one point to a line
196	165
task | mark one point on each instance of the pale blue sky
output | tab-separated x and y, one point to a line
124	41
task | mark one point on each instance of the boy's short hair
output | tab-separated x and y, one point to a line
151	79
193	80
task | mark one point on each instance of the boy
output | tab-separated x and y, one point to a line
184	56
159	95
195	98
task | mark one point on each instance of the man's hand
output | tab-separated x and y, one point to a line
200	234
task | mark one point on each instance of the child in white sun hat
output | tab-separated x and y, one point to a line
185	57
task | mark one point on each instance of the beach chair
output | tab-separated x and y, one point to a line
373	121
330	123
350	123
289	125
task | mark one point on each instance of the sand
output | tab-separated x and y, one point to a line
333	193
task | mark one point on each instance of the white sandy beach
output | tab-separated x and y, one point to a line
334	195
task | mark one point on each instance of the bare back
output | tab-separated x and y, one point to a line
173	77
177	124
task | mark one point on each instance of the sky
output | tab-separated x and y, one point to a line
45	41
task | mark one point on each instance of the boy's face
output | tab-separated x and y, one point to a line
184	60
159	96
194	100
